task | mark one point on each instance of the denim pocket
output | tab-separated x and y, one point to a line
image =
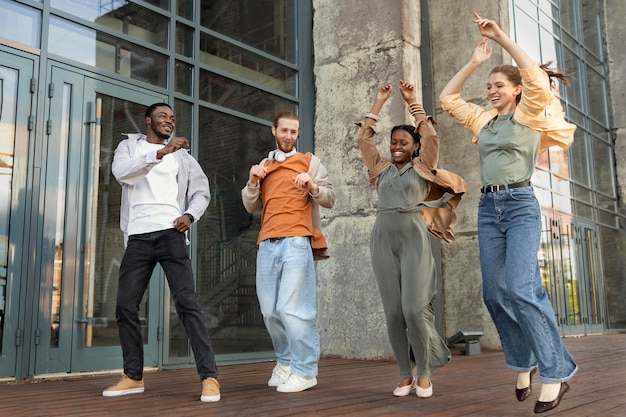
300	242
522	194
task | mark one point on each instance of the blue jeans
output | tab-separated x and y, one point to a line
167	247
509	233
285	285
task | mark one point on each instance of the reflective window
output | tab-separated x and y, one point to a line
121	16
20	23
591	27
267	25
8	119
60	185
184	8
184	78
241	97
603	160
578	158
227	233
163	4
239	62
184	40
107	52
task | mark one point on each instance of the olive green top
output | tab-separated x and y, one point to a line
508	151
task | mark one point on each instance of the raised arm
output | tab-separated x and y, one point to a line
429	142
490	29
383	95
480	56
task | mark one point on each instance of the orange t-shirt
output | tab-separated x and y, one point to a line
287	207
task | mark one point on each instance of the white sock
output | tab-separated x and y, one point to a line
523	380
549	392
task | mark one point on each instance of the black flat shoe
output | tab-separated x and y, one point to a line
523	393
543	406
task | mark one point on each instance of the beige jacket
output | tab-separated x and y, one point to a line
441	183
538	109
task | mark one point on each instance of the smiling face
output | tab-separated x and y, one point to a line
402	147
286	133
160	123
502	93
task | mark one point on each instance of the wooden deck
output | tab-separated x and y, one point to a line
478	385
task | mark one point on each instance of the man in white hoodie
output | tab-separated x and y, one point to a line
164	190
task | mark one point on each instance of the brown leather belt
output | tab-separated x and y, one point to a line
496	188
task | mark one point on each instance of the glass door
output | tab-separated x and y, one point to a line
592	304
569	265
82	244
16	102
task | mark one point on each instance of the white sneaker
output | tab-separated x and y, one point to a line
280	375
296	383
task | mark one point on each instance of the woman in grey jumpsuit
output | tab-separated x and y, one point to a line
400	246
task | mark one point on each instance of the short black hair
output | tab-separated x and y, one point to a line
150	109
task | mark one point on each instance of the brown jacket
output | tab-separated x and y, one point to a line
439	220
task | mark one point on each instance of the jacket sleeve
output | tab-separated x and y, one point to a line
536	93
251	196
325	197
470	115
374	163
129	169
198	190
429	141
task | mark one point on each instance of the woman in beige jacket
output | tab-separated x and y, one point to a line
414	198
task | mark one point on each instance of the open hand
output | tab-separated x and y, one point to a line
488	28
384	92
408	92
481	52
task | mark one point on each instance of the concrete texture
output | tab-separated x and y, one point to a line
359	46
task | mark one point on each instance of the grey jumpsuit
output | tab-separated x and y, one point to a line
405	271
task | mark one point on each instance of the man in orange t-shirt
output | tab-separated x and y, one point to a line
289	186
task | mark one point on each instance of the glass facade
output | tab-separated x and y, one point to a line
576	188
227	67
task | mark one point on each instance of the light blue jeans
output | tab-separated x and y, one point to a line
509	233
285	285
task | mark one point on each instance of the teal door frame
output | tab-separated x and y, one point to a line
68	182
18	102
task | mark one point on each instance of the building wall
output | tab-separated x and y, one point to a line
358	46
453	39
616	50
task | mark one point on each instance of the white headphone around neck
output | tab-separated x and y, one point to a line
280	156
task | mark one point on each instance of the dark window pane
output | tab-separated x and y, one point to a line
184	77
184	112
184	40
226	234
267	25
603	163
184	8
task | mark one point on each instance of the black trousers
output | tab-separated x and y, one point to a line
167	247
